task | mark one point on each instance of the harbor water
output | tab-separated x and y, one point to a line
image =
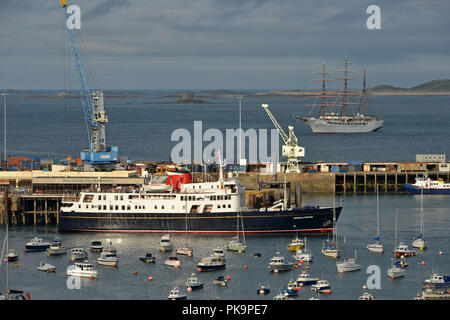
356	228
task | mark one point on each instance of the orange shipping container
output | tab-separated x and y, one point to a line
15	161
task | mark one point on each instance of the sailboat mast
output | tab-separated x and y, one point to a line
421	211
364	93
378	214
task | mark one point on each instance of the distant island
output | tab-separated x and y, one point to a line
67	95
434	87
186	97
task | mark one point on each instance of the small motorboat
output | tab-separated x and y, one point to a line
11	255
292	289
220	281
56	248
46	267
281	296
402	250
176	294
37	244
303	255
366	296
305	279
330	250
348	265
419	242
322	286
396	271
96	246
147	257
193	282
172	261
184	251
78	254
165	244
110	249
211	263
296	244
263	289
108	259
219	252
437	281
376	246
277	263
82	269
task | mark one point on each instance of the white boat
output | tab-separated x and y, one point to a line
366	296
343	118
219	252
278	263
108	259
330	249
172	261
296	244
82	269
185	251
436	293
148	257
235	244
11	255
165	244
437	280
37	244
46	267
402	250
56	248
349	264
281	296
263	289
110	249
176	294
321	286
221	281
96	246
305	279
78	254
419	241
396	270
193	282
211	263
377	246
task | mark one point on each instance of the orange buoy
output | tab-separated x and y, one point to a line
150	278
199	270
189	289
328	291
301	284
135	272
301	261
422	263
245	266
91	277
441	253
228	278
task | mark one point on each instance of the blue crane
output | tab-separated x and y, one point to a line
93	108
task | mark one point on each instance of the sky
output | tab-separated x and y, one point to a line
223	44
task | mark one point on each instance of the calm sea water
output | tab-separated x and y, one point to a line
50	128
55	127
357	225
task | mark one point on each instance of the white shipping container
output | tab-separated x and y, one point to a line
444	167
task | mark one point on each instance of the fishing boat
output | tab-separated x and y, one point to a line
37	244
193	282
96	246
219	252
278	263
211	263
322	286
349	264
305	280
82	269
147	257
56	248
296	244
165	244
263	289
436	293
184	251
437	281
304	255
212	208
292	289
12	255
341	115
108	259
221	281
419	241
425	185
377	246
176	294
172	261
402	250
78	254
46	267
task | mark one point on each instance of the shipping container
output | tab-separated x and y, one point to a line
335	168
324	168
15	161
13	168
35	159
35	165
25	165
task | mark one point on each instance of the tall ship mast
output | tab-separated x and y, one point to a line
338	112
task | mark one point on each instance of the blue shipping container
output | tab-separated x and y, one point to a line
335	168
36	159
12	168
25	165
35	165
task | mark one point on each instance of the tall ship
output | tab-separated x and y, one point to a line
336	112
201	207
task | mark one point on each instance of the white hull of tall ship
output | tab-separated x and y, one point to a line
343	124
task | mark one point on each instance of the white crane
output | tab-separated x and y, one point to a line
291	150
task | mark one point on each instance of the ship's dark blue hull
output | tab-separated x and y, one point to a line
306	219
412	189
